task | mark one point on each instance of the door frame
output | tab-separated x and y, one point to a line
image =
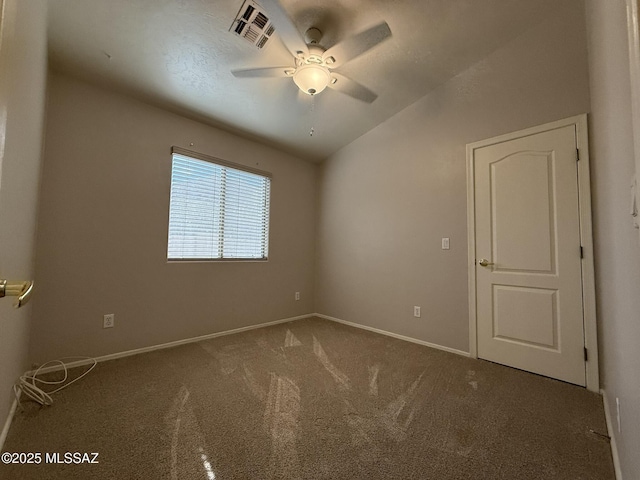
586	238
633	33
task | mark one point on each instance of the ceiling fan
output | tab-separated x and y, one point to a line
314	65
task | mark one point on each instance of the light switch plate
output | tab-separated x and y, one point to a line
445	243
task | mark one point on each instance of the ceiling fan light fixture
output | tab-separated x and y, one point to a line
312	79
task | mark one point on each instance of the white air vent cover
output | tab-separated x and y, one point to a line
253	24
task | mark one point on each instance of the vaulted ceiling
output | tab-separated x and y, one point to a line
178	55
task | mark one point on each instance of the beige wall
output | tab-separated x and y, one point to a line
103	231
22	101
385	202
617	247
387	199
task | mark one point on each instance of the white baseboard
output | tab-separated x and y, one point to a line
7	423
612	436
394	335
137	351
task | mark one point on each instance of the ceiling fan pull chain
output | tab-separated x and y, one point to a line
312	110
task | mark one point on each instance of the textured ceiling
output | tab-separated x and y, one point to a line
178	54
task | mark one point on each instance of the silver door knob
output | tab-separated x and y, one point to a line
484	262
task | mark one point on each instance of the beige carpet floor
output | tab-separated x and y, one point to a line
313	399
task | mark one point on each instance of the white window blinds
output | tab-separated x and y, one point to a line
217	211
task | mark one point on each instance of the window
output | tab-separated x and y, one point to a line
217	211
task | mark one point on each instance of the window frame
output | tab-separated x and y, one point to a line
225	164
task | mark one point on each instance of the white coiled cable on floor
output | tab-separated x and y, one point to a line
27	384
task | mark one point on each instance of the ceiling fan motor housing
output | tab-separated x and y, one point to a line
312	36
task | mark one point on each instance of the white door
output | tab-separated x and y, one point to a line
22	98
528	254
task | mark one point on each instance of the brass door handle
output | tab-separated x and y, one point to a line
484	262
22	290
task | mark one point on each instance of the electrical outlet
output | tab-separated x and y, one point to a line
445	243
297	295
416	312
618	412
109	320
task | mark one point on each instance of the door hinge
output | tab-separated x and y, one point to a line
581	252
577	154
586	355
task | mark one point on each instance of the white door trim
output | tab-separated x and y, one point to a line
586	238
633	31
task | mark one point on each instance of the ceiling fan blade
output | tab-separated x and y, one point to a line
285	28
262	72
356	45
352	88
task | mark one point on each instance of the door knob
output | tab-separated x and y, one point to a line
484	262
22	290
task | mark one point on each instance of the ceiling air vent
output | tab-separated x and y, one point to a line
253	24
